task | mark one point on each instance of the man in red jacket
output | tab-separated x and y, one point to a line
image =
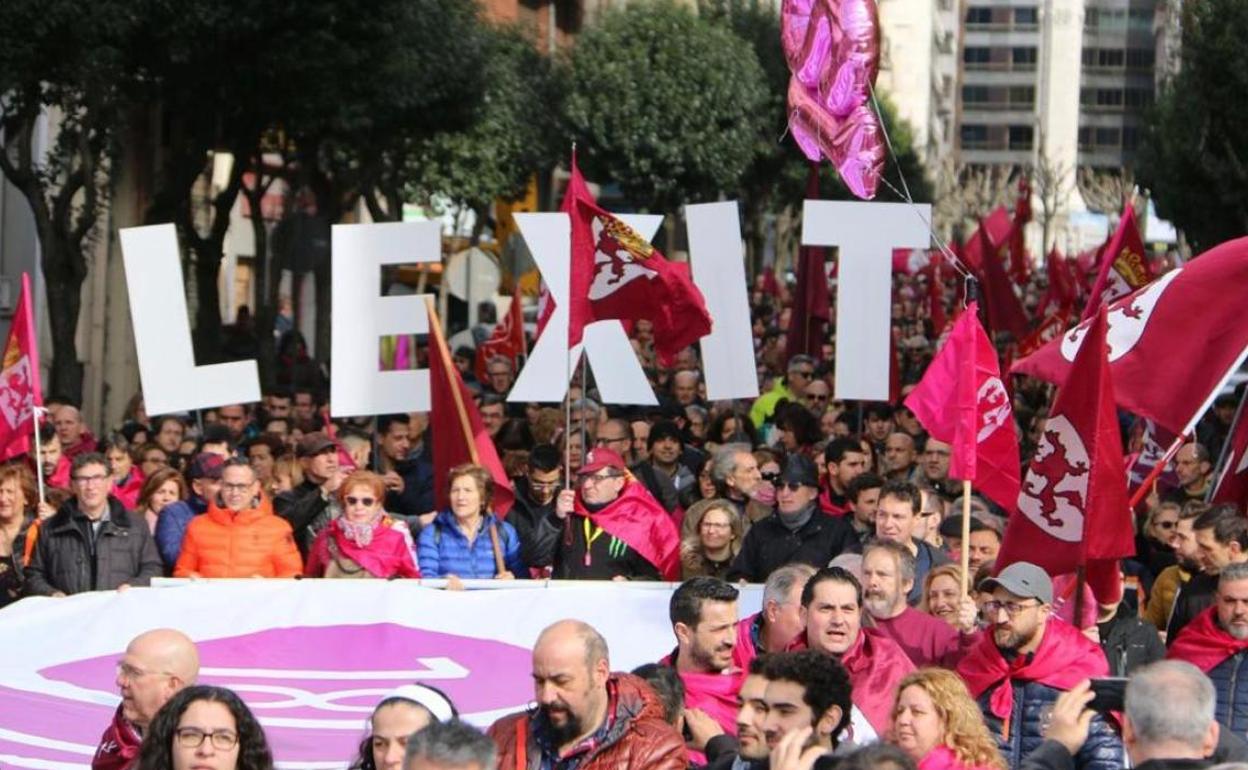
586	717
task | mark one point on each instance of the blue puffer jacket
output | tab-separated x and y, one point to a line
171	526
1230	682
444	550
1102	751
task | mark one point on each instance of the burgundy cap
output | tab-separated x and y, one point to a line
599	458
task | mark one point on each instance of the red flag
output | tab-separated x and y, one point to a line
1154	441
771	287
1020	270
20	392
1072	510
545	308
1062	293
1172	343
458	434
617	274
998	225
506	340
962	401
1049	329
1123	266
1005	311
1231	486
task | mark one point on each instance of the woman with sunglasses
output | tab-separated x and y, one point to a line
207	728
364	542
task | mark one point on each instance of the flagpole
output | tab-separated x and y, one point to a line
966	537
435	332
1147	483
1224	457
35	413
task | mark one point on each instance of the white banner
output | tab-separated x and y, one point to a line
311	658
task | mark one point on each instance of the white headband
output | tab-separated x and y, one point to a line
434	701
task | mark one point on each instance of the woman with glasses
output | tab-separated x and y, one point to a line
1154	543
206	728
469	541
712	536
364	542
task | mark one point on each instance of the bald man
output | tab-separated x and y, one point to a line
156	665
585	709
72	431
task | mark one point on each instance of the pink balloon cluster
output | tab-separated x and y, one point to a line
833	51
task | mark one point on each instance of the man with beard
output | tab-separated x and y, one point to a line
156	665
1018	670
534	516
587	717
703	611
779	621
1194	469
1221	540
887	576
832	613
1171	579
796	532
749	750
1216	642
843	460
807	693
735	473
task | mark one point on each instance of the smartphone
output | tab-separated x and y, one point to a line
1108	694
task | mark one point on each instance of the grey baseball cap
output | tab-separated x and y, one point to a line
1023	579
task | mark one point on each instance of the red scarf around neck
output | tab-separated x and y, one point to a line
1204	644
119	746
1064	658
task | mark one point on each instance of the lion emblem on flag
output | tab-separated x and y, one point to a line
1127	319
619	254
15	394
1055	489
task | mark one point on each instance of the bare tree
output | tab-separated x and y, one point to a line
964	194
1106	191
1049	179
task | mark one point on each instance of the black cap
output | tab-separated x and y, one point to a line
801	470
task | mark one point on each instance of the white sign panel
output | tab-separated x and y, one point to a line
162	331
718	258
866	234
361	316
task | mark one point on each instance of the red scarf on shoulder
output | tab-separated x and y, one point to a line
637	519
119	745
876	665
1204	644
1064	658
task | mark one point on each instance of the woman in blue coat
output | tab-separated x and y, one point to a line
469	541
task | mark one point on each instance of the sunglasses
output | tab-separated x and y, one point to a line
792	486
1166	524
367	502
771	477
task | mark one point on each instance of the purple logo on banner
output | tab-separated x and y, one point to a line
311	687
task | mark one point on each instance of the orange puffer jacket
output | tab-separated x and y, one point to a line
638	739
253	542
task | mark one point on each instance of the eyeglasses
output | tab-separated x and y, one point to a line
817	396
367	502
590	479
792	486
193	738
771	477
235	487
90	479
1166	524
807	373
1013	609
544	484
130	673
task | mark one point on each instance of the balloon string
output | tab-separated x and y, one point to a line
904	193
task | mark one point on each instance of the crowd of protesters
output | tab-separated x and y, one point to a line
866	651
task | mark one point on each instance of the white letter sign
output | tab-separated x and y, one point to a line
162	331
866	234
361	317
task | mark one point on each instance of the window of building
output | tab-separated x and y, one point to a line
1108	137
978	16
1024	58
974	136
974	94
1140	58
1108	97
1021	137
1130	137
1026	17
1022	96
1085	138
1137	98
976	55
1111	57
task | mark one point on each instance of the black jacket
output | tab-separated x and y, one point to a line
1052	755
68	559
1129	642
306	510
769	544
1194	597
537	525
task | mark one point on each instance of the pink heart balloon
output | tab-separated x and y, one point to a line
853	144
